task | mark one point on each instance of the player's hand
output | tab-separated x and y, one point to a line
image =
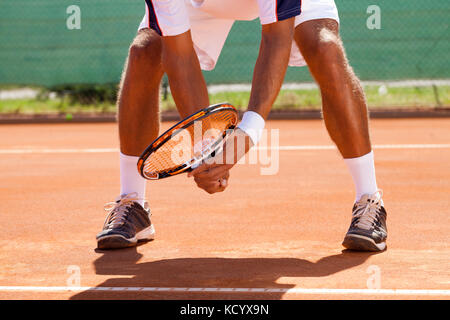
213	175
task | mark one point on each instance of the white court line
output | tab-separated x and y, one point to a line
377	146
24	151
312	291
237	87
281	148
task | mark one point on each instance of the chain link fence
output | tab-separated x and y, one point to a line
62	43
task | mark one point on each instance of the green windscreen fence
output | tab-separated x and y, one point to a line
42	44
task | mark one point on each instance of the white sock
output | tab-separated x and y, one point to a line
130	179
362	170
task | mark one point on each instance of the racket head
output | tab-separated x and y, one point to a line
189	142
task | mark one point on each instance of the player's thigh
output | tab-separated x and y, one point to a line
321	46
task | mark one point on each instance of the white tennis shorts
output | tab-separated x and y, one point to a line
210	21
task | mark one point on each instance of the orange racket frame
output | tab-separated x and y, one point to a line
174	130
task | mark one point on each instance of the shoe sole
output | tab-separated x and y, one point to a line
118	241
362	243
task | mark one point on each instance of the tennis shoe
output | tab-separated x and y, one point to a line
126	224
368	231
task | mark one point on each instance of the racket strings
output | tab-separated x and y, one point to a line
193	141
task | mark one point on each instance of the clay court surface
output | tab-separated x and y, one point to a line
266	237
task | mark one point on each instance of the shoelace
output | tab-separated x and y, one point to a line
118	209
368	210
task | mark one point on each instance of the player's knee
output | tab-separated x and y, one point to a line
330	57
328	48
145	47
139	52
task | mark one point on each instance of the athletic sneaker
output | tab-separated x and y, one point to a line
126	224
368	231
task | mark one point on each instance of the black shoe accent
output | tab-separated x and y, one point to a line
133	225
367	239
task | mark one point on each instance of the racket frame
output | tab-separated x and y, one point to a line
174	130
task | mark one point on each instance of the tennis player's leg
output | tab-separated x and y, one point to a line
346	119
138	97
138	111
128	220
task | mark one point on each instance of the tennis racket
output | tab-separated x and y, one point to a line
189	142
